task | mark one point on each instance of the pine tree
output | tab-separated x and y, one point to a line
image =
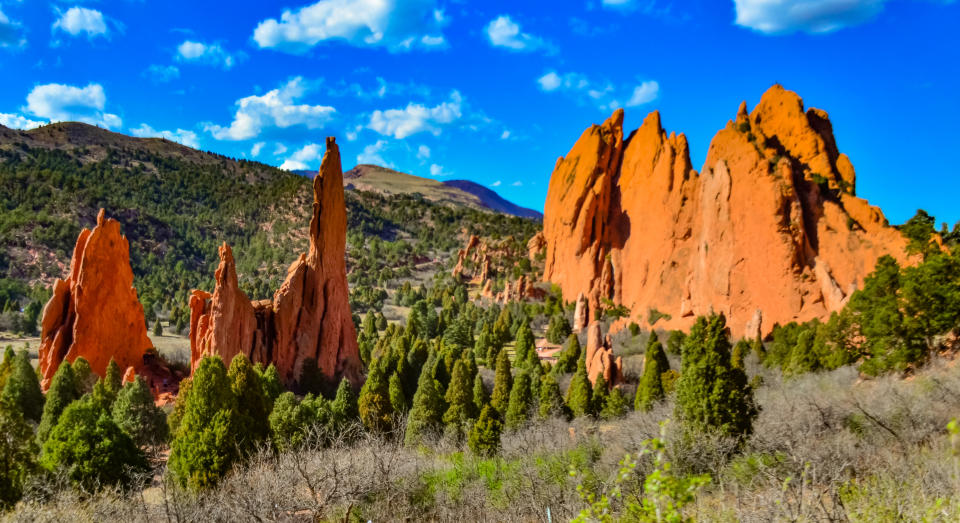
113	379
62	392
398	399
459	398
18	452
558	329
83	376
655	363
204	445
484	437
711	393
569	356
343	408
518	410
137	415
181	325
6	366
91	448
502	383
601	391
579	393
157	328
427	412
616	405
374	403
253	407
551	400
480	396
22	389
288	422
272	386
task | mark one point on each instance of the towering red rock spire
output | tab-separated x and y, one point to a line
95	313
309	317
770	232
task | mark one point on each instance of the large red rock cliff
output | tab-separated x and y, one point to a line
770	231
309	316
95	313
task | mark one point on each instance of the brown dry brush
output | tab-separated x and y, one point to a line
826	447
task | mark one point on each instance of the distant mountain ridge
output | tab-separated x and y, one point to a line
386	181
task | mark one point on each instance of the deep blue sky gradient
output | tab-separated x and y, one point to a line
889	82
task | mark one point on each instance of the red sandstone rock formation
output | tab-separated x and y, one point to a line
771	229
535	245
600	359
309	316
95	313
580	314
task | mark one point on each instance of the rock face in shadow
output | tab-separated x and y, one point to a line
95	313
309	319
770	231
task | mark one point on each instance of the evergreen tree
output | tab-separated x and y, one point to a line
569	356
675	342
83	376
253	407
739	354
518	410
6	366
551	400
272	386
181	325
502	383
579	393
484	437
18	452
343	408
22	389
650	389
113	379
711	393
62	392
525	345
427	411
802	358
559	328
374	403
204	446
480	396
482	347
157	328
601	391
398	399
91	448
137	415
288	422
459	399
616	405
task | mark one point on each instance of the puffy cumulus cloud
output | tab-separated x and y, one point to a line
423	152
298	160
11	32
644	93
438	170
602	94
16	121
58	102
397	25
181	136
810	16
504	32
209	54
417	118
77	21
373	154
277	108
162	73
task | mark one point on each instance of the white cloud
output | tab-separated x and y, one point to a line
373	154
16	121
644	93
58	102
77	20
416	118
209	54
181	136
505	134
257	147
398	25
496	184
504	32
11	32
517	183
298	160
602	94
423	152
162	73
437	170
279	149
810	16
274	109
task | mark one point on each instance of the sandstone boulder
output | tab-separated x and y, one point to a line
600	359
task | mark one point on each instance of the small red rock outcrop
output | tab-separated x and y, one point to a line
770	231
600	359
95	312
309	317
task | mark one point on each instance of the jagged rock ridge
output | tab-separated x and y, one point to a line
309	318
770	231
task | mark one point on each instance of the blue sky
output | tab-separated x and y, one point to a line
493	91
